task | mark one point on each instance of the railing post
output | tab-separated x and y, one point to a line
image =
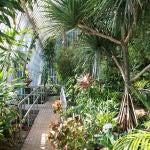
37	94
41	95
34	98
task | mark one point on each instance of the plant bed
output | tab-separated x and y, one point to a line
17	140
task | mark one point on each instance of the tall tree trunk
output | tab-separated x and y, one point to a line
127	116
126	64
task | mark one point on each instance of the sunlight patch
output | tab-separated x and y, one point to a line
43	140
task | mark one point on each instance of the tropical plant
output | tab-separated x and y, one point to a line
57	107
7	9
67	60
11	53
133	141
8	113
11	60
106	139
88	101
105	117
49	58
110	20
142	96
68	134
8	14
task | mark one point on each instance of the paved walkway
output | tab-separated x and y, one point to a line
37	137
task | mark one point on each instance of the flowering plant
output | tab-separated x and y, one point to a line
57	107
84	82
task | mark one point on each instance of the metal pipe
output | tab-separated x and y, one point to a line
30	108
27	97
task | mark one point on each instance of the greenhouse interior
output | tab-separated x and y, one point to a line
74	75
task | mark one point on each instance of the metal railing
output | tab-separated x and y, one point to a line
27	104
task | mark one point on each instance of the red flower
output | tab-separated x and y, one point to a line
84	82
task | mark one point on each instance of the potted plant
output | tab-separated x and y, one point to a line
27	80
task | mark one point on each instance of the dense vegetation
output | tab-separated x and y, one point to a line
100	53
112	39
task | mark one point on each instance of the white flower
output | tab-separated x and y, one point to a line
115	119
107	126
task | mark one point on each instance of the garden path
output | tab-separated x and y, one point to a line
37	137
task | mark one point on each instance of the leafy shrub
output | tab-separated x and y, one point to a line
105	117
68	134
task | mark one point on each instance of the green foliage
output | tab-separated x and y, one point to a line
133	141
8	14
94	107
106	139
68	134
142	96
48	52
96	95
7	9
10	57
10	54
142	84
8	113
105	117
71	90
147	124
49	58
52	88
67	14
67	60
98	17
44	77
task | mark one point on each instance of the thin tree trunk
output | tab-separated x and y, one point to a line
119	66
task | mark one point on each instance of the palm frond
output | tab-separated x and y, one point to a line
118	10
134	141
65	14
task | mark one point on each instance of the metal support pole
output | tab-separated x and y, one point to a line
41	95
28	118
34	97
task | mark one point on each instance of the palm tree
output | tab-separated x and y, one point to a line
111	20
94	50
